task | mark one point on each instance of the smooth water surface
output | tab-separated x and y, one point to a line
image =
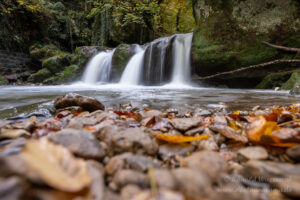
25	100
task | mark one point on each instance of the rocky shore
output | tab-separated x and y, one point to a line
87	151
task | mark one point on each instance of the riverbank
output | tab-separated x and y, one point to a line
88	151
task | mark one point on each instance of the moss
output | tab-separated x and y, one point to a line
40	76
57	63
293	80
2	81
226	37
69	74
44	51
274	80
121	56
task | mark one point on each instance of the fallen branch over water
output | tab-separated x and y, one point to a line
273	62
290	49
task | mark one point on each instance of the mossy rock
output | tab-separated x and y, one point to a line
293	80
296	89
69	74
41	52
2	81
121	56
229	35
57	63
40	76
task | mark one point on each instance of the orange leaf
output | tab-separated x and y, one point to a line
179	139
269	133
90	128
261	127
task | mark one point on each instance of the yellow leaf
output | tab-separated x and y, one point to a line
179	139
56	165
237	112
234	125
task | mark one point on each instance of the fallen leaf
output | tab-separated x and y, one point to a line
63	114
90	128
56	165
127	114
230	133
261	127
269	133
179	139
271	117
235	125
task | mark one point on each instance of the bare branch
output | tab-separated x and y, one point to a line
290	49
273	62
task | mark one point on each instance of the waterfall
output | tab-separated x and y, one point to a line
165	60
98	69
132	72
181	59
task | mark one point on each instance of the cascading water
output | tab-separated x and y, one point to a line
98	69
165	60
181	59
132	72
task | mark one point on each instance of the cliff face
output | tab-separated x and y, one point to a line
229	35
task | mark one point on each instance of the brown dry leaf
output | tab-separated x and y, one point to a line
56	165
179	139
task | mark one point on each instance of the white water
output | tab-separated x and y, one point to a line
98	69
181	59
132	72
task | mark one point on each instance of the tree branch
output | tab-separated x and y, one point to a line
273	62
290	49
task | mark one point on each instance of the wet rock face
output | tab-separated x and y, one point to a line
73	99
90	51
157	66
80	142
121	56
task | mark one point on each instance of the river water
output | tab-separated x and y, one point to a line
23	101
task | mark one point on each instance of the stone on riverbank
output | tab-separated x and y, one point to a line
73	99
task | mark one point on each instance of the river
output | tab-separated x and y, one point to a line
23	101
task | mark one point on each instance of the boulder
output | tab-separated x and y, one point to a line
73	99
